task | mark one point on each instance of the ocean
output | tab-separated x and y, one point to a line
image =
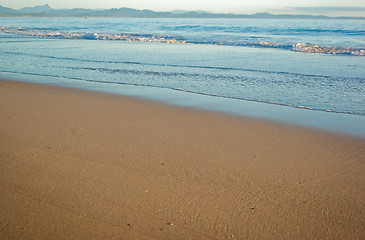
303	72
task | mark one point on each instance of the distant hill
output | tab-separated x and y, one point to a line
6	10
47	11
37	9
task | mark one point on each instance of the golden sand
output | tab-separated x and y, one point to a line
83	165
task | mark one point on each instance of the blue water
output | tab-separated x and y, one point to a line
346	36
243	66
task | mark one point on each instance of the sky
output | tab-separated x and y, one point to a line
315	7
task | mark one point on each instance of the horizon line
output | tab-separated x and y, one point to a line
286	10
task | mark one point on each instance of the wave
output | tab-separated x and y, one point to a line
219	27
303	47
184	90
297	47
90	36
289	74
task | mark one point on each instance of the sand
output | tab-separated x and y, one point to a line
85	165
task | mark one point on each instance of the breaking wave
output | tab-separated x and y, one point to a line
297	47
304	47
91	36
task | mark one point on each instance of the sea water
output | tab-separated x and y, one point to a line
304	72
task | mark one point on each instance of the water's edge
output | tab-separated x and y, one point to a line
346	124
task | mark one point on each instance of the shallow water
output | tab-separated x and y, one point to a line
230	78
330	36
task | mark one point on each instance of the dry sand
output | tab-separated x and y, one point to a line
83	165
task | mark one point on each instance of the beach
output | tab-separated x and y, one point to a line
86	165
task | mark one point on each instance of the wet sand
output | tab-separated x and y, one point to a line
85	165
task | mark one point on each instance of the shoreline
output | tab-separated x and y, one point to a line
338	123
80	164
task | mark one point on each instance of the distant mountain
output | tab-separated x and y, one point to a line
76	12
37	9
179	11
47	11
6	10
132	13
288	16
185	11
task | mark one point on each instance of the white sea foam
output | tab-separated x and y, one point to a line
298	47
89	36
304	47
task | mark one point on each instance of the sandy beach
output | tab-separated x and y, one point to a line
86	165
